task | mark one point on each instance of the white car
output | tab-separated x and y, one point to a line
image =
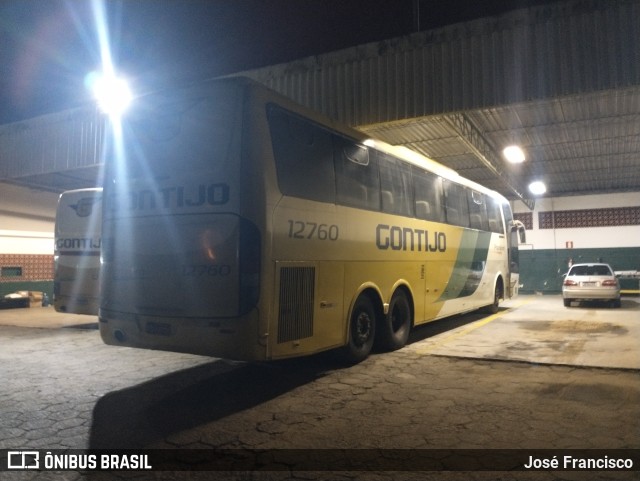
591	282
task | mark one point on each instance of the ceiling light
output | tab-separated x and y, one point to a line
537	187
112	93
513	154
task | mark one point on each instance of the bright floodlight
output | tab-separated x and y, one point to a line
537	187
112	93
513	154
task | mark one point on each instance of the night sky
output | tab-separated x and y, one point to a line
48	46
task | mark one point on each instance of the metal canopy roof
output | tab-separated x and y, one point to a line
458	95
583	144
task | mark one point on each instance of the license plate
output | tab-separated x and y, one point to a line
589	284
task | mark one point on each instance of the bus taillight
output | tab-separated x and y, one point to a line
249	265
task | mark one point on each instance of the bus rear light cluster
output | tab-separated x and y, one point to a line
249	261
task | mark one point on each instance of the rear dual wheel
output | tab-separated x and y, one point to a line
395	327
368	325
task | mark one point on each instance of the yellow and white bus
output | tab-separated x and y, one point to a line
238	224
76	284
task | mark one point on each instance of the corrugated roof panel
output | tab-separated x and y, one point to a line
414	131
543	52
51	143
562	79
463	163
441	149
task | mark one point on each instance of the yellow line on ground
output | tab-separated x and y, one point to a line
471	327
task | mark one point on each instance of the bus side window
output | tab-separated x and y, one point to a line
304	156
396	186
357	182
456	206
493	214
477	210
427	188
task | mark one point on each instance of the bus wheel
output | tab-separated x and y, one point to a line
497	295
395	327
362	330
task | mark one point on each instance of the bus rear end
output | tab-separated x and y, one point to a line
76	284
180	266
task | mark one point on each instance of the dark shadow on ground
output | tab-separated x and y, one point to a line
138	416
434	328
146	413
91	326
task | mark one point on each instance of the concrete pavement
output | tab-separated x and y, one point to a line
454	386
539	329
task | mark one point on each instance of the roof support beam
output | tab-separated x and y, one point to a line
471	136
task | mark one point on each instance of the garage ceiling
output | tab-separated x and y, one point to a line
583	144
561	81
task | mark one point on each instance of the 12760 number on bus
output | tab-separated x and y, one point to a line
312	230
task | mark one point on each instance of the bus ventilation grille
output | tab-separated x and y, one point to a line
295	315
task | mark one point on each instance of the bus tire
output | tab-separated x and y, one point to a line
362	331
497	295
394	328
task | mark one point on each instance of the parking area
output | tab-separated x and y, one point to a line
539	329
536	375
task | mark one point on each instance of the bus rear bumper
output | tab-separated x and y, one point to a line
235	338
77	305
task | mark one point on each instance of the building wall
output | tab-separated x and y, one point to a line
566	230
27	220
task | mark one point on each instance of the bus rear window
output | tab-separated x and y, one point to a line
193	132
304	156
